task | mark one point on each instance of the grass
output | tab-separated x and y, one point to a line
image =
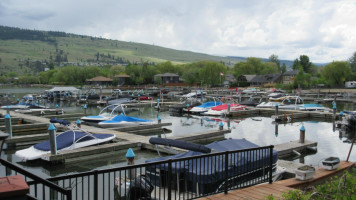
80	49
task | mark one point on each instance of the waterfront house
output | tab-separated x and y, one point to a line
167	78
122	78
288	76
99	80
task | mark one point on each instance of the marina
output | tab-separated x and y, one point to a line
263	126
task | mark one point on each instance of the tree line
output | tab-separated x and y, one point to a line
205	73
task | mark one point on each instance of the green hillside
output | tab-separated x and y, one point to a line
30	51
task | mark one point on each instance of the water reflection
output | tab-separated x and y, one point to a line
260	130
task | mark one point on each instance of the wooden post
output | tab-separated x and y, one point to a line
79	123
276	129
228	108
352	144
52	139
85	109
302	135
8	126
159	119
130	156
334	110
221	126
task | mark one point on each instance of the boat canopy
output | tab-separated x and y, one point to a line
209	104
68	138
212	169
62	89
120	118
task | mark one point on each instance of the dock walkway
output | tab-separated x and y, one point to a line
262	191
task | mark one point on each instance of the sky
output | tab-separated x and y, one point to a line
324	30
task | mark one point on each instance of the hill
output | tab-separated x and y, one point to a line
30	51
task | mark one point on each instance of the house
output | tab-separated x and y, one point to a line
288	76
166	78
122	78
99	80
229	79
258	80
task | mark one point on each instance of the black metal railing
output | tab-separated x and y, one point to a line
184	178
39	188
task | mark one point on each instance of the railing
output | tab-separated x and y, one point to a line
183	178
39	188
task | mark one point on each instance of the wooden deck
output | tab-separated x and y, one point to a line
276	189
261	191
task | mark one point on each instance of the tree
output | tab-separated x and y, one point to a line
274	58
352	61
283	68
337	72
304	62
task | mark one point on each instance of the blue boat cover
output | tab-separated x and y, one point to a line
210	104
66	139
121	118
311	105
212	169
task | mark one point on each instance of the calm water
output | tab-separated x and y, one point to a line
260	130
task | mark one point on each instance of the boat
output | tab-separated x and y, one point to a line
288	103
124	121
62	93
194	94
203	108
40	111
24	103
250	102
185	104
205	175
223	109
281	97
250	91
72	139
314	107
106	113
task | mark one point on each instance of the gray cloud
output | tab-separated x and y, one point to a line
229	27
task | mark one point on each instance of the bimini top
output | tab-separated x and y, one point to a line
121	118
210	104
68	138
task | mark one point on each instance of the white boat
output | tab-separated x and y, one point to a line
204	107
290	103
41	111
68	140
195	94
24	104
250	90
314	107
124	121
106	113
223	109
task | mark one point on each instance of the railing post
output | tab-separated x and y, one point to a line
226	172
169	179
270	163
96	197
69	194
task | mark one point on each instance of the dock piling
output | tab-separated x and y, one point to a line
130	156
85	109
302	134
52	139
221	126
79	123
8	126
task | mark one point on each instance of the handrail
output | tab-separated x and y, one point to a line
36	179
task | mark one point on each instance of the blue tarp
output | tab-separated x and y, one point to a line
66	139
212	169
210	104
120	118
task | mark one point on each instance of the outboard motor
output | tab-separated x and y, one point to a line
140	188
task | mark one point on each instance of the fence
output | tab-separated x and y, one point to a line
184	178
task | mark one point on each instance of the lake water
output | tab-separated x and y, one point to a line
259	130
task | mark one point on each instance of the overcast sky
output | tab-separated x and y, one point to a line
324	30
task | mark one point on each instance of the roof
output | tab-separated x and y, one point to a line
249	77
122	76
167	75
266	78
57	89
293	72
100	78
230	77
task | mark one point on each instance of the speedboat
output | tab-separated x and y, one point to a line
124	121
204	175
314	107
223	109
106	113
250	90
289	103
196	94
23	104
72	139
204	107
